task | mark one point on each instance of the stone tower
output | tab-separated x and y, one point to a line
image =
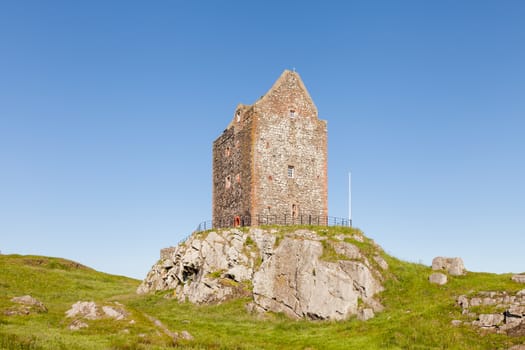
270	163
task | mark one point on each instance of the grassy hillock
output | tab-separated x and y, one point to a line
417	314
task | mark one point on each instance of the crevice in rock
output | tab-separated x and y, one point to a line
314	316
189	273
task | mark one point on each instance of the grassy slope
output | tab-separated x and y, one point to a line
417	314
59	283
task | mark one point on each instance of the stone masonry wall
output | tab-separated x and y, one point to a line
251	159
232	163
290	134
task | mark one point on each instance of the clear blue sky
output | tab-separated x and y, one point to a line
108	110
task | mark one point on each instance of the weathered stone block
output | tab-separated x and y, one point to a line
454	266
490	320
438	278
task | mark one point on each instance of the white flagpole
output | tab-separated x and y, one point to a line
350	198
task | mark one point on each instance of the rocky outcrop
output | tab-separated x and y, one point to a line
84	309
453	266
89	310
520	278
511	321
117	313
25	305
300	273
207	268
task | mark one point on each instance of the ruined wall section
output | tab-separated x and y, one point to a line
289	134
232	171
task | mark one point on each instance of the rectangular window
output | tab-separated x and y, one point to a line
228	183
291	171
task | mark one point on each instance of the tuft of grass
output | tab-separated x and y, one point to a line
216	274
329	253
12	341
249	241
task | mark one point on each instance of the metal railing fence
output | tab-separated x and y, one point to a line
280	220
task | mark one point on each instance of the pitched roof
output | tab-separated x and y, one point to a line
288	77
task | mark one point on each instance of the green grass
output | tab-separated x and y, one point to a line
417	314
59	283
216	274
329	253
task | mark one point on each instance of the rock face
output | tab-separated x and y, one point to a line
453	266
299	273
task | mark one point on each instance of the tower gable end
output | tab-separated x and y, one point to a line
288	97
